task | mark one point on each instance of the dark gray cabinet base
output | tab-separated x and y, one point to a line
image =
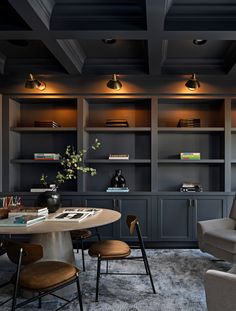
167	220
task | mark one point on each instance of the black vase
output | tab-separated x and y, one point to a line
50	199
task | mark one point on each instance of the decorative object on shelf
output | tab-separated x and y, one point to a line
33	83
193	83
71	163
118	157
117	123
191	187
114	83
189	123
46	123
118	181
190	156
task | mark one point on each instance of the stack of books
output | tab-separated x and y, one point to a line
46	123
117	123
118	157
190	155
21	220
31	211
189	123
47	156
117	189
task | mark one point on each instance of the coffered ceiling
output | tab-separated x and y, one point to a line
84	37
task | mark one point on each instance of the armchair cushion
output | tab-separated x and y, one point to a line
220	290
223	238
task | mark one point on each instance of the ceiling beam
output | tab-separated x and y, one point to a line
67	52
155	24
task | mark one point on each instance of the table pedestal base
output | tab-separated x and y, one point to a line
56	246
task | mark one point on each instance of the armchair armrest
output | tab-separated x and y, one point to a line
213	224
220	288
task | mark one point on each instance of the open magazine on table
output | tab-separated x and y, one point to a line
75	214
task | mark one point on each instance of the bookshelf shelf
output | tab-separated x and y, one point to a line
43	129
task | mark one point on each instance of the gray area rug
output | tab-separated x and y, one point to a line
178	276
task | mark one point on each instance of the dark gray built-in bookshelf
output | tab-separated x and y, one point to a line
154	171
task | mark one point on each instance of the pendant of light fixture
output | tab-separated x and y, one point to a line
33	83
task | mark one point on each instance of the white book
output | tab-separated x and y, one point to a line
118	157
40	189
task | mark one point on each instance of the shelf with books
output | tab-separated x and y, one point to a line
43	129
201	161
210	111
209	175
117	161
117	129
190	129
38	125
33	161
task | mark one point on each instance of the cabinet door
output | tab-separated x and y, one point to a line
140	207
206	208
174	219
107	231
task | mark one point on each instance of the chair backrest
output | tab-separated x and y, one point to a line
233	210
133	224
30	252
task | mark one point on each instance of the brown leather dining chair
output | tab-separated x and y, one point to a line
118	250
39	277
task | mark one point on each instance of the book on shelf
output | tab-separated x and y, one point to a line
46	156
118	157
189	123
46	123
75	214
117	189
117	122
40	188
22	220
190	156
40	211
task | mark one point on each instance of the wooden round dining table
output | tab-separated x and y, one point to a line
55	236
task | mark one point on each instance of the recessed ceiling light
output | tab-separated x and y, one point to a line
19	42
109	41
199	41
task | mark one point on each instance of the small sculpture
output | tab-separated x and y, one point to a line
118	181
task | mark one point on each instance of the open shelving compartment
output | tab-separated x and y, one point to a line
26	139
134	140
207	139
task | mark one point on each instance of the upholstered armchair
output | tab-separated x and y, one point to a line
220	288
218	236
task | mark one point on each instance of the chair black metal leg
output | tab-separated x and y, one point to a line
98	277
40	302
98	234
150	274
79	293
82	251
77	246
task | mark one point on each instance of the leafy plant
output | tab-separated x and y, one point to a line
71	163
